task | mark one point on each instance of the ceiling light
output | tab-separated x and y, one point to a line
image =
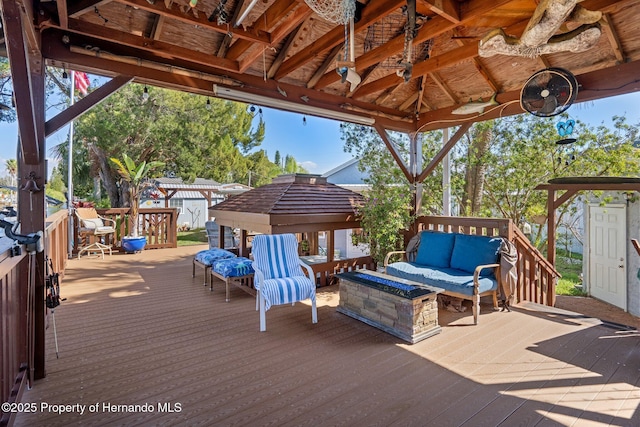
250	98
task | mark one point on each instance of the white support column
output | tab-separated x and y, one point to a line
446	176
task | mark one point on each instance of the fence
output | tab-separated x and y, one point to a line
158	225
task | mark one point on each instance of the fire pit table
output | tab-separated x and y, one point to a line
400	307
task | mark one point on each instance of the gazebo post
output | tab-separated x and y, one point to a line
330	245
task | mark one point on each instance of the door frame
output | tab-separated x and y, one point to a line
586	258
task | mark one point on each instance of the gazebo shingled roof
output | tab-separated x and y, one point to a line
291	203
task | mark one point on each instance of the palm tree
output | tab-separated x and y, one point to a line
136	176
11	166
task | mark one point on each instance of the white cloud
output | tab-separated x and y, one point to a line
309	165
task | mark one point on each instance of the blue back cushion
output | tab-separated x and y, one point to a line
472	251
435	248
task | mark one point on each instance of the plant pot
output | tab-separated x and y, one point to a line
132	245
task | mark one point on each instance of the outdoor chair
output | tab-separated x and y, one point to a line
213	236
279	278
93	228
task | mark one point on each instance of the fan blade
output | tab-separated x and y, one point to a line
550	105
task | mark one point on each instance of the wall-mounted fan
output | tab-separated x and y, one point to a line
549	92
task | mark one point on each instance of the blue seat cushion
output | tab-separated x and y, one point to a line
446	278
208	256
233	267
435	248
472	251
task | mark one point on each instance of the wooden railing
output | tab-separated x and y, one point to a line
56	239
537	277
325	271
158	225
13	330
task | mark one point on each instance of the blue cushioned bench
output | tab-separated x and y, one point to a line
206	258
237	271
465	266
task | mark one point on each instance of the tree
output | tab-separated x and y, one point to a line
11	166
522	154
173	127
277	160
137	178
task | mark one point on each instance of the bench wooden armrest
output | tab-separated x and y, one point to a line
386	258
476	275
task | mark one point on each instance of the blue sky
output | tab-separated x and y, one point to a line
317	145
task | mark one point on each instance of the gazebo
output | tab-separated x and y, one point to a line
297	203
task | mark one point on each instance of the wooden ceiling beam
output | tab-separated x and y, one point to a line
282	53
175	12
63	14
328	62
614	40
482	70
183	75
436	63
373	12
410	101
159	48
264	22
443	87
297	18
228	38
21	64
85	104
421	86
156	29
81	7
429	30
448	9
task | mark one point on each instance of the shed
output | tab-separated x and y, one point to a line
609	259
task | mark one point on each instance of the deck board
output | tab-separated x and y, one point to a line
139	329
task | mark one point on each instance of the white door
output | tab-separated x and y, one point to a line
607	254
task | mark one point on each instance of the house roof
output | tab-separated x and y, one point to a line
341	167
285	55
291	203
178	183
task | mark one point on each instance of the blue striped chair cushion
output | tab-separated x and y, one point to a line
287	290
276	255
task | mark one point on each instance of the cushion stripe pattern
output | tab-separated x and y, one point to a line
287	290
276	255
281	280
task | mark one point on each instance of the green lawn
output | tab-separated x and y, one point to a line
197	236
570	268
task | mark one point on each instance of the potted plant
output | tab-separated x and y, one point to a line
136	177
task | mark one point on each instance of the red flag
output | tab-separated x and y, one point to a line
82	82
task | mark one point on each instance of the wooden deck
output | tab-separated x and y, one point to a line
138	329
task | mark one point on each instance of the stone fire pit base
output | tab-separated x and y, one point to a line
405	309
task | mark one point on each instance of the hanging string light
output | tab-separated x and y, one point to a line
145	93
208	104
304	120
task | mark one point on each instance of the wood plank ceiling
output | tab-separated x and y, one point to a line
283	51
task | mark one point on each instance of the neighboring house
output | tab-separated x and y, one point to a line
347	176
191	200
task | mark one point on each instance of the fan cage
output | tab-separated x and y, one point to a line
541	82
